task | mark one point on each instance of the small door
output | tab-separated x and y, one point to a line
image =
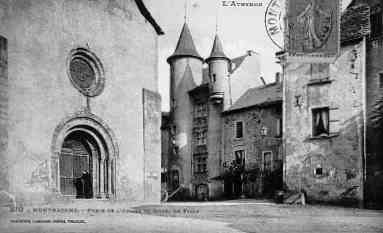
202	192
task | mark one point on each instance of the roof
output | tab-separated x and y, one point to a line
217	50
236	64
201	88
371	3
355	23
145	12
185	46
258	96
238	61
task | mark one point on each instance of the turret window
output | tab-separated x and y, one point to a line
200	163
200	110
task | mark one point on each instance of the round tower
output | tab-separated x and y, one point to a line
219	66
185	74
185	59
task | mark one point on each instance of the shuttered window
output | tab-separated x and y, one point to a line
239	129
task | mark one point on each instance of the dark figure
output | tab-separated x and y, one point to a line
87	181
83	185
79	184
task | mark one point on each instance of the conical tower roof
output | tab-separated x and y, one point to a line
185	46
217	51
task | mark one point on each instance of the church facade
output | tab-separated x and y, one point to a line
80	109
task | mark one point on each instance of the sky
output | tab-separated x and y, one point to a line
240	29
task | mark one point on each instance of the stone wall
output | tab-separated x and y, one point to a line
340	87
41	35
374	136
4	182
152	145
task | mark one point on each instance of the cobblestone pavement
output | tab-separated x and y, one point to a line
210	217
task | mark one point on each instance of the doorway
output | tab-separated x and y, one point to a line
84	158
76	160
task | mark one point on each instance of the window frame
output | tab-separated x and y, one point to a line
200	110
380	79
271	160
201	137
375	32
200	160
313	129
244	155
279	128
242	130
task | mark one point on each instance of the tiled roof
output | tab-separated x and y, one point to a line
185	45
355	23
258	96
217	51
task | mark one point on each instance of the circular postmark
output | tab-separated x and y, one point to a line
274	22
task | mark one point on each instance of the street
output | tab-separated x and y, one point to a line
221	217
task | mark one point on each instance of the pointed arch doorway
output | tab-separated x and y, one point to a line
84	158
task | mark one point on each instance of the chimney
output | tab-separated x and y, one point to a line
278	77
263	80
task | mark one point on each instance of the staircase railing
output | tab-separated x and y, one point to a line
168	196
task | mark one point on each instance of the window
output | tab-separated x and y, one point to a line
201	137
239	129
380	76
318	171
376	24
175	179
200	163
239	158
320	118
264	131
279	127
86	72
200	110
267	160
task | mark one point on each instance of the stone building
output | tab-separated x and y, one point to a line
332	151
200	90
79	105
374	128
252	139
